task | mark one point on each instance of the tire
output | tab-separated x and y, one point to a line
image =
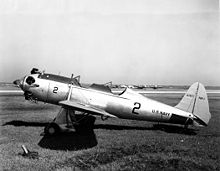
52	129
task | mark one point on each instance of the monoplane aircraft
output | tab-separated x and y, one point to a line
98	99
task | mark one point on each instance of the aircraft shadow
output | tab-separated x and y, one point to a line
24	123
119	127
174	129
63	141
69	141
161	127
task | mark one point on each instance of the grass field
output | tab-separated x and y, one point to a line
113	144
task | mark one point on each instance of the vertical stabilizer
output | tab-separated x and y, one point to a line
195	101
188	100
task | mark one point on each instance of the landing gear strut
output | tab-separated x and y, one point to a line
67	120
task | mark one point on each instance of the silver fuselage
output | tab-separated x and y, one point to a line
127	105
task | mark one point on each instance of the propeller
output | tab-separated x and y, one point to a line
18	83
34	71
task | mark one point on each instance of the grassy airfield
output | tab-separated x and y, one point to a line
112	145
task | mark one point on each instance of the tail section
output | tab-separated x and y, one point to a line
195	101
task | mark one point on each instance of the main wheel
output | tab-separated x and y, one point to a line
52	129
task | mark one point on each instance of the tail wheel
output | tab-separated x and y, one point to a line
52	129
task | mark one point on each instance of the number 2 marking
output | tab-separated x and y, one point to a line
55	89
136	107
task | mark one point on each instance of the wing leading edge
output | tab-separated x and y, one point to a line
84	108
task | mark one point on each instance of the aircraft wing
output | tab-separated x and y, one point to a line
84	108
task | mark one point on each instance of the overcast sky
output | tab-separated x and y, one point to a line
124	41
